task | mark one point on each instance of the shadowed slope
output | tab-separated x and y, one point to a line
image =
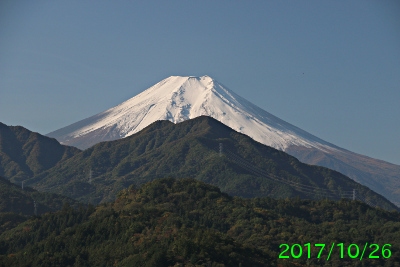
189	149
184	222
179	98
24	154
14	199
383	177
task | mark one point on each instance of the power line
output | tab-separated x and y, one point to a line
301	187
298	186
366	201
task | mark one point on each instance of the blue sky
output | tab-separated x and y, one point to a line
331	68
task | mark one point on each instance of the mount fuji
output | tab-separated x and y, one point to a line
182	98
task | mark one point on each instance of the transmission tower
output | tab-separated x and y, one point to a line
220	149
90	176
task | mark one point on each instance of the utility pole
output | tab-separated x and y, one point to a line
220	149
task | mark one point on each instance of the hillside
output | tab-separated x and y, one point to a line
190	149
17	205
186	222
14	199
178	98
24	154
381	176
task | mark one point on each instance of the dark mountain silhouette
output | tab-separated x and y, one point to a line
24	154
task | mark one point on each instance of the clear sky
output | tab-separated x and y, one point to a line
331	68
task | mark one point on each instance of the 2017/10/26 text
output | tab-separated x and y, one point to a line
353	251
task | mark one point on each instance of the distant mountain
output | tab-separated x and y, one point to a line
24	154
245	167
171	222
381	176
181	98
17	200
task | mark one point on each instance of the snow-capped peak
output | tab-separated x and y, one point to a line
178	98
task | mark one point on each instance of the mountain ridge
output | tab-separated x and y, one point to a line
180	98
17	200
24	153
185	222
189	149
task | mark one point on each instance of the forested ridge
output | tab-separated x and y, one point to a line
185	222
17	204
190	149
24	153
226	215
14	198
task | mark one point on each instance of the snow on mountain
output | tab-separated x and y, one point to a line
180	98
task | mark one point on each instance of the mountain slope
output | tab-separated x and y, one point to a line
17	200
181	98
171	222
189	149
383	177
24	154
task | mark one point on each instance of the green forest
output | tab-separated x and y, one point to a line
24	153
20	200
17	204
232	202
190	149
186	222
